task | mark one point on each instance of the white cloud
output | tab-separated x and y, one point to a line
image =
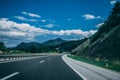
57	25
31	14
112	2
49	25
74	32
43	20
50	20
15	30
21	18
33	20
90	17
25	32
53	21
99	25
98	17
69	19
25	19
4	19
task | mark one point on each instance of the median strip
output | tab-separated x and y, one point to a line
9	76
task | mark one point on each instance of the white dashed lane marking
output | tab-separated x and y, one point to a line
9	76
42	61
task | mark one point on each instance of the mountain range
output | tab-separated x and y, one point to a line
53	42
53	45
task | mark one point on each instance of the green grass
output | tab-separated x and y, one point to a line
100	63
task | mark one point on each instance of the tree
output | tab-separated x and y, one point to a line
32	48
116	9
2	46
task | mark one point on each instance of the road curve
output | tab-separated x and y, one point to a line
91	72
41	68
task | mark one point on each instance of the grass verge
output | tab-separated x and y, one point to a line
97	62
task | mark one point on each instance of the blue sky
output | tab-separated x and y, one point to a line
41	20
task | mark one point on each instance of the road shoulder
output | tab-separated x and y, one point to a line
90	72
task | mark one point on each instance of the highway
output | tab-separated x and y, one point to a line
51	67
38	68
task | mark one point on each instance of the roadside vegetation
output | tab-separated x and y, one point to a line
113	65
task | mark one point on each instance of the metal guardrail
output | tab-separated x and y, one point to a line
12	57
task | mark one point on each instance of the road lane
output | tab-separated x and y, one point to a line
52	68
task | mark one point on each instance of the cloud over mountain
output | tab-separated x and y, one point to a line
24	31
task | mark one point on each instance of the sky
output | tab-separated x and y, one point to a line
41	20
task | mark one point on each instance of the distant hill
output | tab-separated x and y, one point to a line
27	45
69	45
105	43
53	42
53	45
33	47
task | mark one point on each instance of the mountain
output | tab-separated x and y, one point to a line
69	45
105	43
33	47
23	45
53	42
53	45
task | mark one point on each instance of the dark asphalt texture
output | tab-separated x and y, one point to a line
52	68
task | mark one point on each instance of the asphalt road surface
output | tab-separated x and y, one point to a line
42	68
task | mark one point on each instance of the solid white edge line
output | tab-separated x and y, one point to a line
84	78
9	76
